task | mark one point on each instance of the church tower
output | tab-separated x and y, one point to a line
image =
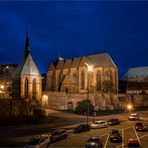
27	80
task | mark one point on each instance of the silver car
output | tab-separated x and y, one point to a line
42	141
99	124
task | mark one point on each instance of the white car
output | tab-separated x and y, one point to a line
38	142
134	116
99	124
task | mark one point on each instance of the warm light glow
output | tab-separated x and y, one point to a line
2	87
129	107
89	67
45	97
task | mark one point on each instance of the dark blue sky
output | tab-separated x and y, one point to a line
75	29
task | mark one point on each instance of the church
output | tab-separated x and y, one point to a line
72	75
26	79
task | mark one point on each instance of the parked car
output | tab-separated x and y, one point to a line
94	142
115	136
58	134
133	117
38	142
113	122
99	124
133	143
139	126
81	128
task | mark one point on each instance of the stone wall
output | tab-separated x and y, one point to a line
12	107
101	101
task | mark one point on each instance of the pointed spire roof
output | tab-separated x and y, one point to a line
27	48
27	65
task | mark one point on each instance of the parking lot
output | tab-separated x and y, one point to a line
126	129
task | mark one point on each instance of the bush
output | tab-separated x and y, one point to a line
38	112
83	106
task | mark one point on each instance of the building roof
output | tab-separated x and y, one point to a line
138	72
101	60
98	60
26	67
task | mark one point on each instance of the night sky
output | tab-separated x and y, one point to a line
74	29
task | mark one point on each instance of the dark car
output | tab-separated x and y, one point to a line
58	134
81	128
139	126
113	122
133	143
115	136
94	142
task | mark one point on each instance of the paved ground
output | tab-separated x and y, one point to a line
126	129
18	136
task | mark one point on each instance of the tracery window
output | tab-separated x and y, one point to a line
82	79
98	80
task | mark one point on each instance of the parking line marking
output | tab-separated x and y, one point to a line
104	135
106	141
143	136
137	135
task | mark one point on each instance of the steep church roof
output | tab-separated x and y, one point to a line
27	65
138	72
101	60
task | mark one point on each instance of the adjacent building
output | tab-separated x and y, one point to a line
6	71
136	80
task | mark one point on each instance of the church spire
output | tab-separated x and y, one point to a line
27	48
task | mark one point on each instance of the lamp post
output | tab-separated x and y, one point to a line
89	69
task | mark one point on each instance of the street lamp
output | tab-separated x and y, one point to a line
89	69
129	107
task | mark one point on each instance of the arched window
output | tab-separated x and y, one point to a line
34	88
111	76
82	80
26	88
106	76
98	80
70	106
51	81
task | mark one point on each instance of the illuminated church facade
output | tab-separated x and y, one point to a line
72	75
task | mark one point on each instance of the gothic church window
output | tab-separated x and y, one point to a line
34	88
98	80
82	79
26	88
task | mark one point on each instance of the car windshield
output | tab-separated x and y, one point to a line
133	145
134	115
93	140
96	122
139	124
34	141
115	131
55	133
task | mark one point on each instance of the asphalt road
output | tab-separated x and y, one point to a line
19	135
